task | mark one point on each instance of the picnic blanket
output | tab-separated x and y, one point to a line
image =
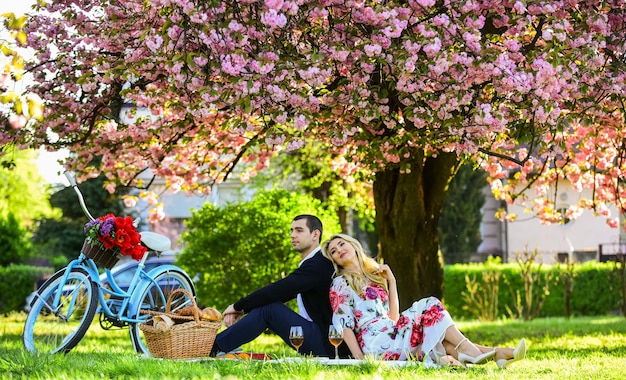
308	359
267	358
344	362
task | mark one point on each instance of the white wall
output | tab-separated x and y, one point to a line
180	204
583	234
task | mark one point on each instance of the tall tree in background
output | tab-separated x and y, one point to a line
23	191
307	169
23	201
401	92
459	226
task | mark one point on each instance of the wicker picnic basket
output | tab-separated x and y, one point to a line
190	337
105	257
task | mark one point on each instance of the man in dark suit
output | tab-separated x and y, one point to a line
264	308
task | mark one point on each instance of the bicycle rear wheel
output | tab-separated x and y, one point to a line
154	298
58	327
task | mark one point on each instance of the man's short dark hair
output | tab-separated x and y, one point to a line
313	222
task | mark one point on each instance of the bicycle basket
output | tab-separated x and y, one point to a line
104	257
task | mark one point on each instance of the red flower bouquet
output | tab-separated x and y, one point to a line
117	234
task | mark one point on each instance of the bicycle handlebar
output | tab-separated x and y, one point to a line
70	178
72	182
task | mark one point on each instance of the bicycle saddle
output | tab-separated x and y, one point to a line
154	241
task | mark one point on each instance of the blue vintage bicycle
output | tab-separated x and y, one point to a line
64	307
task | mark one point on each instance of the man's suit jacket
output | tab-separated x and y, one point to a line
312	279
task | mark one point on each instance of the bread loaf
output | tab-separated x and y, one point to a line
210	314
207	314
187	310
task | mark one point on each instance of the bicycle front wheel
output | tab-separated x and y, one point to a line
154	298
57	326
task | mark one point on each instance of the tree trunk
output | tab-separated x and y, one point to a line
408	206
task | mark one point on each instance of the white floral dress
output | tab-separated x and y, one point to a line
419	331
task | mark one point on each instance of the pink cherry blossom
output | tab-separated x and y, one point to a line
381	83
129	201
17	121
156	214
273	19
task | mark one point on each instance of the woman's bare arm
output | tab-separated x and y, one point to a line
394	303
350	338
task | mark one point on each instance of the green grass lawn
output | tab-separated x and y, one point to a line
579	348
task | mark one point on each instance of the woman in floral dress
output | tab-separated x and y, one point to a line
365	305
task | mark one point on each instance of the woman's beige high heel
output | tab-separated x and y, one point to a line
480	359
519	353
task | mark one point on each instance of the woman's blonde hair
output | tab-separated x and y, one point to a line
368	265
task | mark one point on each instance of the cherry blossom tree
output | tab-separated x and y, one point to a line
400	93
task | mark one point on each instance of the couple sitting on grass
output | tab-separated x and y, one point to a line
339	284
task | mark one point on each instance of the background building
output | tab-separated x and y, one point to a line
580	239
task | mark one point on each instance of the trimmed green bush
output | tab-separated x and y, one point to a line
18	281
593	291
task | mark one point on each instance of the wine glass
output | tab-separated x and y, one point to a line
296	338
335	336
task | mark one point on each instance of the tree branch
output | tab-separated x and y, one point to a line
503	156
